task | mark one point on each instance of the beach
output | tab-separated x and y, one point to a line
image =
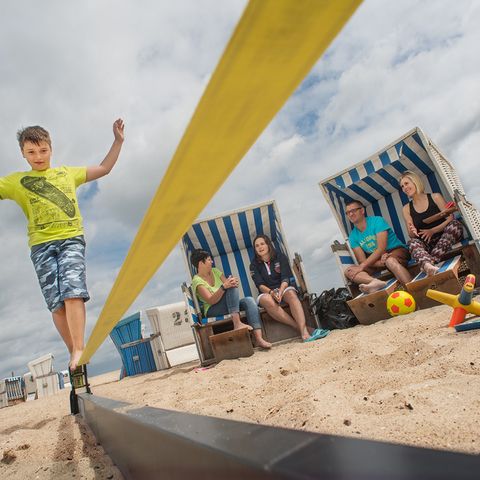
409	380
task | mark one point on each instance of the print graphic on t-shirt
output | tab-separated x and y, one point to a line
45	189
369	243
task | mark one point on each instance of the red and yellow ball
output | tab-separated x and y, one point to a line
400	303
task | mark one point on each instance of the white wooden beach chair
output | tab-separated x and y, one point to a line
229	238
30	385
374	182
46	380
41	366
174	344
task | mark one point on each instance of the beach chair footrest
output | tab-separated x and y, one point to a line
446	280
372	308
231	344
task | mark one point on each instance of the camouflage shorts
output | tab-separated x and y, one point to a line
60	267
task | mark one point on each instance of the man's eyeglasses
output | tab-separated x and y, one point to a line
353	210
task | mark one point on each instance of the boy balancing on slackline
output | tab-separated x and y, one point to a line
48	198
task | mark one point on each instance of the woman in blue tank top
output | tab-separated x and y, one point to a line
428	242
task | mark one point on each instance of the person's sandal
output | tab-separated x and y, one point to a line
317	334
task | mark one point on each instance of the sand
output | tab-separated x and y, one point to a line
408	380
40	440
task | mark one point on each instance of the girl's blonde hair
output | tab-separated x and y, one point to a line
415	179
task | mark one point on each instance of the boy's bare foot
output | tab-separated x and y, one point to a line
74	359
430	269
371	287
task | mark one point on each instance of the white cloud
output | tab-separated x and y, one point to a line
76	68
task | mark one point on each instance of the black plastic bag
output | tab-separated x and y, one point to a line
332	311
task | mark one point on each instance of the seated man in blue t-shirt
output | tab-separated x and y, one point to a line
376	247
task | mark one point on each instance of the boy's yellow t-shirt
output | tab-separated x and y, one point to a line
49	201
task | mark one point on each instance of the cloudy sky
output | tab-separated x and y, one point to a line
73	68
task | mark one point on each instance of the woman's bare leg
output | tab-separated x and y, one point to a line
259	340
237	323
277	312
398	270
298	314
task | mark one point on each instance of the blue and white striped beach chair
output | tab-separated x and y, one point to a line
375	182
229	238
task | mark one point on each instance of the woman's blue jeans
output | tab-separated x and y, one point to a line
231	303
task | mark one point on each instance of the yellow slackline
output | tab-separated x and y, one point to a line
274	46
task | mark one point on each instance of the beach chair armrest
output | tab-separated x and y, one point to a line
299	273
137	342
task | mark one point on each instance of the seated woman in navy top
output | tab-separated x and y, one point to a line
271	272
428	242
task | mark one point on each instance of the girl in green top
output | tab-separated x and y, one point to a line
219	296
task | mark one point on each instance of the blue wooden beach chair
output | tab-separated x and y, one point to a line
229	238
374	182
135	351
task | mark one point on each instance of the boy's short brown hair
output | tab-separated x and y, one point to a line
34	134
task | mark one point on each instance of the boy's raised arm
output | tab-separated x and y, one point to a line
98	171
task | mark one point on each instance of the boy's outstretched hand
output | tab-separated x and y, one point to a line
97	171
118	127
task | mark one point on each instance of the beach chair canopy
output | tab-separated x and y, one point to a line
375	183
229	238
